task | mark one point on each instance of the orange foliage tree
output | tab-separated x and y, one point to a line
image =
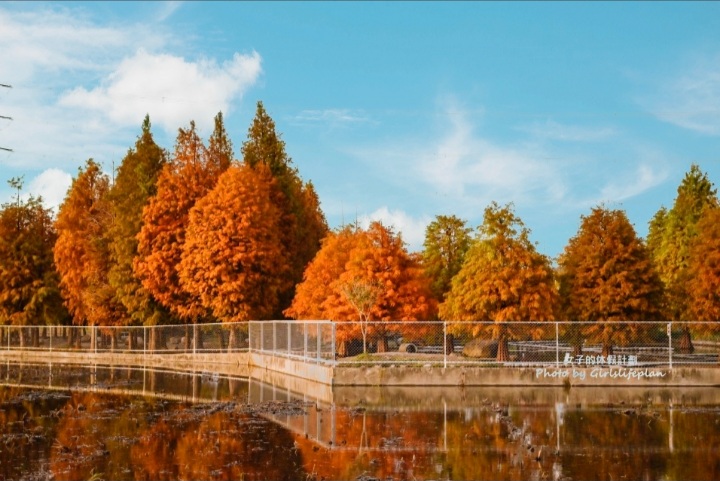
29	282
191	173
607	278
304	223
81	251
704	268
232	258
367	277
503	279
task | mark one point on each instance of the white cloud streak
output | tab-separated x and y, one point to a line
692	99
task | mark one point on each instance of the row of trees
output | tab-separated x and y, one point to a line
197	236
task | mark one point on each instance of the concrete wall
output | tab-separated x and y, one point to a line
296	374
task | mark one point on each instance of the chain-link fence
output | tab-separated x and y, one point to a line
412	342
581	344
189	338
307	340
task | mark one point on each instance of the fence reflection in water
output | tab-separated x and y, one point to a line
389	342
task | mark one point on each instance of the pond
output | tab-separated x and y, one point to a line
72	423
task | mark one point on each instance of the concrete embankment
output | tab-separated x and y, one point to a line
286	371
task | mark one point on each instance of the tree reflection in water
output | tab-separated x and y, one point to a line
73	435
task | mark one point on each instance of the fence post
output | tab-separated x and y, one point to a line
445	344
332	332
557	345
669	332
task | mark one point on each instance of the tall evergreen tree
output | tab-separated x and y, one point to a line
81	253
303	221
232	258
29	282
671	233
134	185
447	240
191	173
704	269
503	279
607	279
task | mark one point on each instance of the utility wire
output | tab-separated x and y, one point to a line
6	118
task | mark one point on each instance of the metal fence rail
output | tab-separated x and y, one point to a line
557	344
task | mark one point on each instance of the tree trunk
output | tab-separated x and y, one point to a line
686	346
186	339
503	350
607	349
449	344
382	343
223	346
35	336
234	341
93	339
197	337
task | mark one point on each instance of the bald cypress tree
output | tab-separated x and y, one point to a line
304	224
29	282
607	279
135	184
671	233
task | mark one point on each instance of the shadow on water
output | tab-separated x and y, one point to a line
68	422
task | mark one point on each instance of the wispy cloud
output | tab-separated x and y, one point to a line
551	130
332	117
166	9
691	100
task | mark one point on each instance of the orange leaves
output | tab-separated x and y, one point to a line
191	174
704	268
363	275
606	275
80	253
233	258
503	278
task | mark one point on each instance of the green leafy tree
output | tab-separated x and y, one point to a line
671	233
29	282
503	279
447	240
304	223
134	185
608	280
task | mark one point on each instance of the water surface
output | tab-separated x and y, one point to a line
60	422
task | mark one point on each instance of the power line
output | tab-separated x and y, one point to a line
6	118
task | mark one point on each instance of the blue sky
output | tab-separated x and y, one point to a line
397	111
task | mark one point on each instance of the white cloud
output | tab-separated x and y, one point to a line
167	8
412	229
331	116
171	89
463	163
692	99
51	185
551	130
